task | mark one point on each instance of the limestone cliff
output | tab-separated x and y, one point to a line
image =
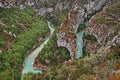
78	15
103	32
42	7
80	12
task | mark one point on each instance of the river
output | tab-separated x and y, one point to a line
79	42
28	63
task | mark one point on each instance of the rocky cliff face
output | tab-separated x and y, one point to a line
80	11
42	7
103	32
78	15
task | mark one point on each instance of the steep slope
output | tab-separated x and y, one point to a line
103	32
12	23
78	15
92	68
23	29
66	34
97	66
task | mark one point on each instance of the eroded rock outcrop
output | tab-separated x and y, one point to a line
104	27
78	14
42	7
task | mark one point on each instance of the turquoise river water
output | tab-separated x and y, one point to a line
79	41
28	63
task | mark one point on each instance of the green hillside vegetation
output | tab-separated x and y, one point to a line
58	18
21	29
51	52
82	69
110	16
11	60
86	68
54	54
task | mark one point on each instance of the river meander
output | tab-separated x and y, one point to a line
28	63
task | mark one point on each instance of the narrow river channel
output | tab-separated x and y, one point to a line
79	42
28	64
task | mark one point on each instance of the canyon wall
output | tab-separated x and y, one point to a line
103	32
79	14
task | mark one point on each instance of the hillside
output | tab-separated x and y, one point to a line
59	39
100	61
19	31
104	32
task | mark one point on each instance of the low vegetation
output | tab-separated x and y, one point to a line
81	27
58	18
110	17
11	60
52	53
90	37
87	68
28	28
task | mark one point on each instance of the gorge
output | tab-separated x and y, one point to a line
29	61
59	40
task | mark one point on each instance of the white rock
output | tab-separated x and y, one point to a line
0	51
1	5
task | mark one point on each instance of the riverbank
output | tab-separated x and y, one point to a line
29	61
12	59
